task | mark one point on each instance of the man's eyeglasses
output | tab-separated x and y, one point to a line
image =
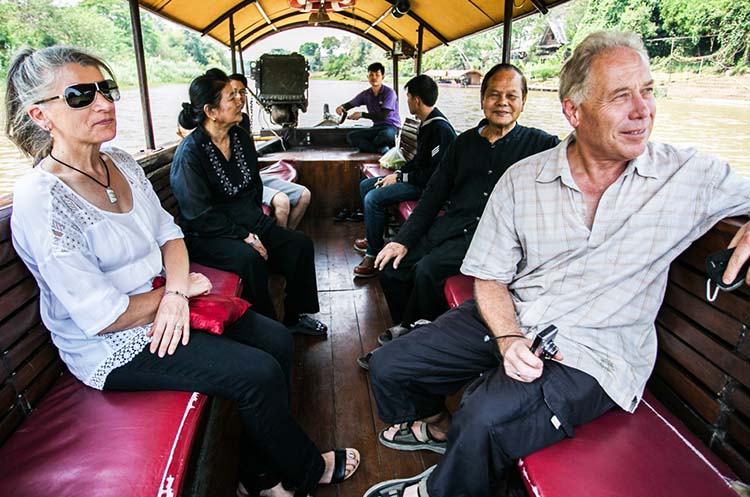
83	94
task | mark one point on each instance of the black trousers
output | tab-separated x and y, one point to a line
499	419
415	290
250	364
290	253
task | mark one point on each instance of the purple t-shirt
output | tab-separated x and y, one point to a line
377	104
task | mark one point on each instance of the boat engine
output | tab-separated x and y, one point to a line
281	83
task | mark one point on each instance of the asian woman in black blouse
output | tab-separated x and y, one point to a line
217	184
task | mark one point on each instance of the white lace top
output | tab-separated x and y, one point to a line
88	261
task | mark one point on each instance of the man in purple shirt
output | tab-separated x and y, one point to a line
382	108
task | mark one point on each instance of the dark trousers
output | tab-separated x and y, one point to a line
415	290
290	253
376	200
250	364
499	419
378	138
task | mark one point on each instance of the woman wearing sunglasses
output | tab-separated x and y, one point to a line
89	226
216	182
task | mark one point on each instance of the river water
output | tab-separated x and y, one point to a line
719	127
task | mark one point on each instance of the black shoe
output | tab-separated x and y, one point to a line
364	361
342	215
356	216
307	325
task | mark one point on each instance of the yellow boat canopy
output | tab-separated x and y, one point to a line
442	20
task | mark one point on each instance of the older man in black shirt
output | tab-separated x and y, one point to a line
429	248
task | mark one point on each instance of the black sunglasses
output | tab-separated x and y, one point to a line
83	94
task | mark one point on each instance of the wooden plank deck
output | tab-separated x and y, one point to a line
331	394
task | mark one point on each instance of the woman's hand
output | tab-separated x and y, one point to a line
171	325
199	285
255	243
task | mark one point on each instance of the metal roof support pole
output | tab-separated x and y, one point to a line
140	62
507	21
395	75
231	43
242	61
420	38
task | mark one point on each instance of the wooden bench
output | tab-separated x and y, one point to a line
59	437
691	432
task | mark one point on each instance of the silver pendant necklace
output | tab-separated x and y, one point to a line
110	192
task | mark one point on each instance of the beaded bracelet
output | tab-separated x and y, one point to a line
175	292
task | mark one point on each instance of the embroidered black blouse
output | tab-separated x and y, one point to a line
218	197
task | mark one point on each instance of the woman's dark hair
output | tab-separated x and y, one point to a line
503	67
239	77
204	90
31	77
424	87
375	67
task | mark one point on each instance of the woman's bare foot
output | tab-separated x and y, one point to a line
352	463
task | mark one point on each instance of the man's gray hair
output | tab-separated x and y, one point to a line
31	76
574	75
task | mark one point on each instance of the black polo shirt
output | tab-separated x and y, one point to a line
464	180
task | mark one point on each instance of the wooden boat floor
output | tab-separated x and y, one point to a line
331	395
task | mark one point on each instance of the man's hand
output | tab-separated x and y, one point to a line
741	245
393	250
354	116
386	181
340	109
518	361
255	243
199	285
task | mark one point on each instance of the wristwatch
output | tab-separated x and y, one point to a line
402	177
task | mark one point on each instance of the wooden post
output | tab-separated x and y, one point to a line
231	43
140	62
420	38
507	20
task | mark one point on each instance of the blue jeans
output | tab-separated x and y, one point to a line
378	138
375	201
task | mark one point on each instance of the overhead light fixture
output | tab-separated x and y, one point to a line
400	8
319	17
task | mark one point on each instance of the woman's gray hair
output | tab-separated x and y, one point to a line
31	77
574	75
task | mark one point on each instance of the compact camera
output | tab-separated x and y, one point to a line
544	343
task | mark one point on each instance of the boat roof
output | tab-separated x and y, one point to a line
443	20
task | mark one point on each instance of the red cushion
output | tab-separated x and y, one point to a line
266	209
374	170
283	170
224	283
457	289
406	208
212	312
633	455
81	442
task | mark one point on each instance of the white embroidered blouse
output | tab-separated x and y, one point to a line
88	262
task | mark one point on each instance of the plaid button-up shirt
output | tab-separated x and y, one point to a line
601	287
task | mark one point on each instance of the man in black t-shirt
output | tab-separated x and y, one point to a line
435	136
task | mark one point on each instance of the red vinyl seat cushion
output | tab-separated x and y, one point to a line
81	442
645	454
374	170
458	289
